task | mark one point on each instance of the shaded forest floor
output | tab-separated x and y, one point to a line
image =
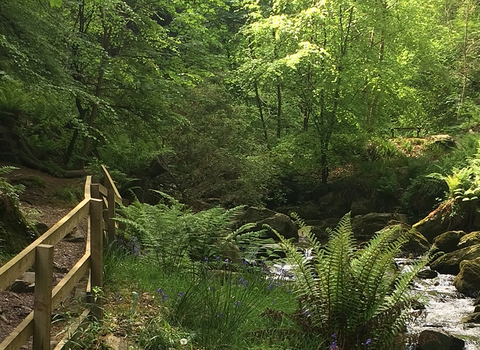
44	201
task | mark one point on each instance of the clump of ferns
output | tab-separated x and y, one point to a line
355	293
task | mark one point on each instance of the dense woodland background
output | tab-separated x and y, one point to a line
246	102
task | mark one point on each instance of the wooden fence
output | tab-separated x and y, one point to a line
99	206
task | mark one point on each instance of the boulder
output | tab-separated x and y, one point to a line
468	280
307	211
333	204
319	228
264	218
416	245
450	262
365	226
254	214
469	239
361	207
427	274
280	223
15	231
433	340
447	242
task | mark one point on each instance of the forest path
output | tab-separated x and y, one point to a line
45	201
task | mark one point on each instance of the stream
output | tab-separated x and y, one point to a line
444	310
444	307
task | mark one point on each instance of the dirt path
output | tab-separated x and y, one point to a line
45	201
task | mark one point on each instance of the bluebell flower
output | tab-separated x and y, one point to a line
181	294
240	280
211	289
238	303
245	284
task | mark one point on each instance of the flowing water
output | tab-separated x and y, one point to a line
444	307
444	310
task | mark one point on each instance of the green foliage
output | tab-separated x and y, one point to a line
222	305
7	189
170	234
356	294
71	195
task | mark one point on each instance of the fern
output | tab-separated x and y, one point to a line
171	234
356	294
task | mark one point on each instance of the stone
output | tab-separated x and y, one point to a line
361	207
307	211
447	242
365	226
450	262
25	284
469	239
433	340
319	228
416	245
467	281
280	223
427	274
264	218
41	228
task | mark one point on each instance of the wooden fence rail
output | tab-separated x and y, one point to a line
99	206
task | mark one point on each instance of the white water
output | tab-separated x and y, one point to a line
444	307
444	310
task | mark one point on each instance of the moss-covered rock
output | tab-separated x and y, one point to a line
365	226
264	218
469	239
15	232
450	262
447	242
468	280
416	245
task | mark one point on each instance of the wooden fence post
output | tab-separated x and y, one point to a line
42	319
112	231
95	190
96	251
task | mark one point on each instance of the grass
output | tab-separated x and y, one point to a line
209	305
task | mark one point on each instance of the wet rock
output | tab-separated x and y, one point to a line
469	239
427	274
433	340
365	226
450	262
447	242
468	280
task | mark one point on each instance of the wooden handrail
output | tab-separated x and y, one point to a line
24	260
91	260
110	184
